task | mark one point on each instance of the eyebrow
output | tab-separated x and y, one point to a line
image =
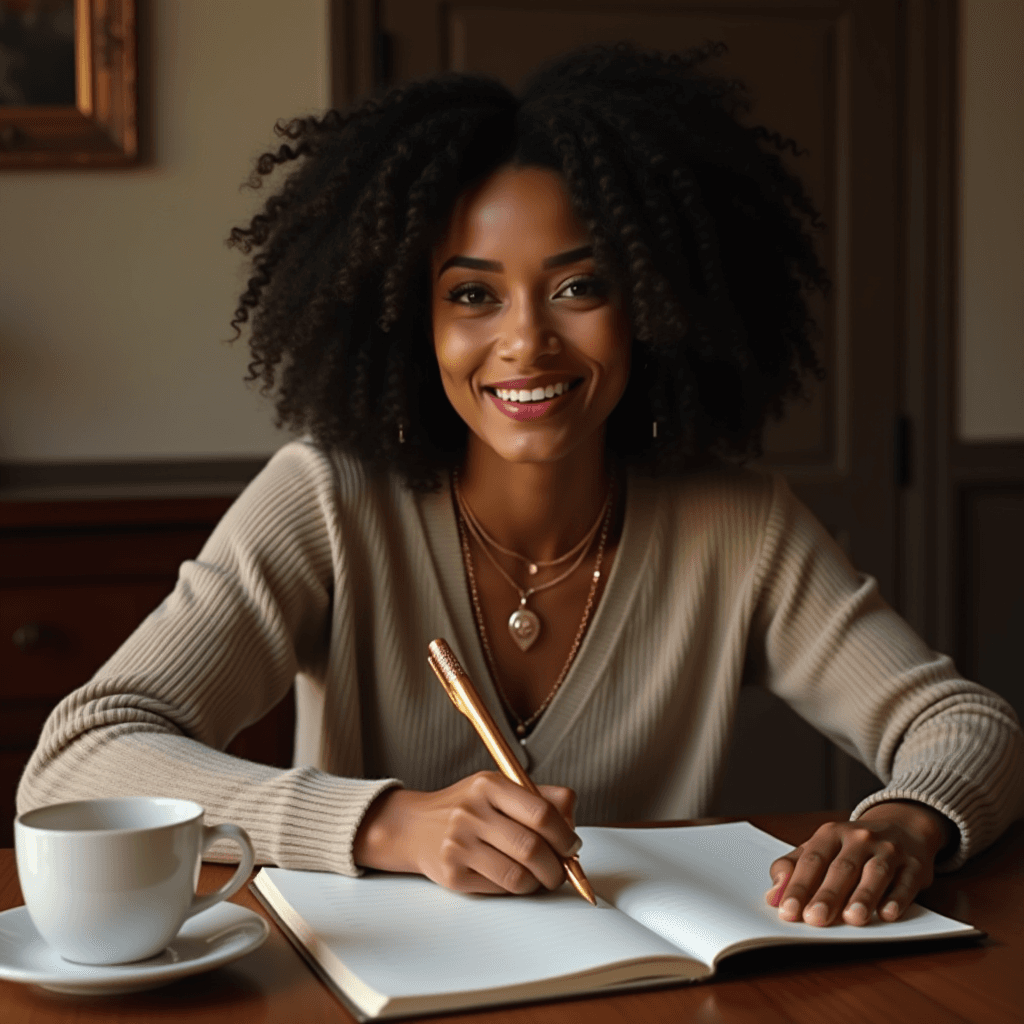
572	256
471	263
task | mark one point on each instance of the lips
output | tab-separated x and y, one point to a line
529	399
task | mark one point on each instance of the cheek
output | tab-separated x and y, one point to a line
458	362
451	352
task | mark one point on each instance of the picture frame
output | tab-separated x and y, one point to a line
68	98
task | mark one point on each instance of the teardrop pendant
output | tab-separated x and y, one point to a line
524	627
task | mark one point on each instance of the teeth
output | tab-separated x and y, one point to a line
536	395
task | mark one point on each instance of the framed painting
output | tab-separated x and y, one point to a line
67	83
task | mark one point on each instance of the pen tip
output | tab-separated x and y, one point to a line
580	881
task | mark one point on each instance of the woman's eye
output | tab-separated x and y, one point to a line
583	288
469	295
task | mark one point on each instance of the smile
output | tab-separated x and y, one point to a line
526	396
529	403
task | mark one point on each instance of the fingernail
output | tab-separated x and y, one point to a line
891	910
576	847
856	913
816	914
790	910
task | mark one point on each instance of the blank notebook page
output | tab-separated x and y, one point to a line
404	935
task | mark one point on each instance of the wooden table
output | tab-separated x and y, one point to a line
963	981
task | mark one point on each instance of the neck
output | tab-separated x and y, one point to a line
538	509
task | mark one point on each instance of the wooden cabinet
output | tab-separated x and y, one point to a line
76	577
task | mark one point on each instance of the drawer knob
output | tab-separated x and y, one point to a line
29	636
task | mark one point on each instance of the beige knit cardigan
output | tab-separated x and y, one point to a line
323	578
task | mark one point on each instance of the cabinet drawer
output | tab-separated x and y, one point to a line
76	555
53	638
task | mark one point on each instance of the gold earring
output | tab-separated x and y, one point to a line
654	428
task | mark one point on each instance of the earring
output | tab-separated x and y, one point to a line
401	434
654	428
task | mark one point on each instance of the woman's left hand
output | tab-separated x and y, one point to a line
849	869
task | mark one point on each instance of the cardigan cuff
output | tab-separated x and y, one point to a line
320	822
952	795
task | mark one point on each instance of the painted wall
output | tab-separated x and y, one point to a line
116	287
991	349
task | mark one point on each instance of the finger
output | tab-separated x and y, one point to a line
564	801
808	873
526	859
479	868
909	882
781	871
536	814
856	869
879	871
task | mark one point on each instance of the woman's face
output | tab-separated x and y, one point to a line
532	344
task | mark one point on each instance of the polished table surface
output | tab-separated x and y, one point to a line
975	980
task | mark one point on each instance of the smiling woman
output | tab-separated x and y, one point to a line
528	338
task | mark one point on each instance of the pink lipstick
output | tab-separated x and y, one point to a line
525	410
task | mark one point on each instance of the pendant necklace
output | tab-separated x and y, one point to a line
523	726
524	625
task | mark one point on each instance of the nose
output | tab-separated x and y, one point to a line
526	334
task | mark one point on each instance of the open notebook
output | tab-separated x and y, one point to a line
672	903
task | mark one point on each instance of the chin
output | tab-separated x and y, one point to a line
541	450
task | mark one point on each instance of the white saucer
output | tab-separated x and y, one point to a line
214	937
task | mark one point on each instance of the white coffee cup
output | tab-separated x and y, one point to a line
112	881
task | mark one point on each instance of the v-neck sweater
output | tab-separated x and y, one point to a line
331	580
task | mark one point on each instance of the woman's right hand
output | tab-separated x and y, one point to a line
484	834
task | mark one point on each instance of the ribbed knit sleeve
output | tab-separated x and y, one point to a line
835	651
248	615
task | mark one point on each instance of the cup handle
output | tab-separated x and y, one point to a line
211	833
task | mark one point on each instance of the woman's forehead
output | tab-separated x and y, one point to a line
524	208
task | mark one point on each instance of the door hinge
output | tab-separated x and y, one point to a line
902	441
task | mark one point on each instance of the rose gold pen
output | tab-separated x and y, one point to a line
464	696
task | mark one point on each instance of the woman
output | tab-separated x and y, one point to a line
525	337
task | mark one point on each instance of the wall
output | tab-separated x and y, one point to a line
116	287
991	349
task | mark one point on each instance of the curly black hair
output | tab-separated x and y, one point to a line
692	215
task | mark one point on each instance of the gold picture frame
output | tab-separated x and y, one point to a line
99	129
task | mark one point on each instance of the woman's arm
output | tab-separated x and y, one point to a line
949	752
248	614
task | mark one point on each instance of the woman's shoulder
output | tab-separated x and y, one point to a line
722	494
312	489
327	473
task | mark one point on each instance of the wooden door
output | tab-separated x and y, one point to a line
823	72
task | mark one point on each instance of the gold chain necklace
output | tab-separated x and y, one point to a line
523	725
524	625
532	565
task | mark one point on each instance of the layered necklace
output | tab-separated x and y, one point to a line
524	625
